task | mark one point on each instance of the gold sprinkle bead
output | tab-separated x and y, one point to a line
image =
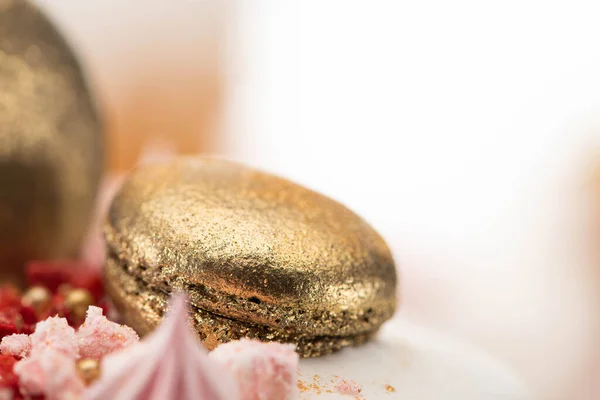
88	370
77	302
37	297
64	289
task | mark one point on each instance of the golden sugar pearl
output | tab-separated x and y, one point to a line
77	302
64	289
37	297
88	370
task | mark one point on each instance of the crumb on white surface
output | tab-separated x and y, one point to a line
348	386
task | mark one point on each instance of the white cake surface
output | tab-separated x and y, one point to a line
418	364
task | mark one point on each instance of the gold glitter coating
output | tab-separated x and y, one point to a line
51	150
257	255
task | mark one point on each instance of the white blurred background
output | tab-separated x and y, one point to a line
467	132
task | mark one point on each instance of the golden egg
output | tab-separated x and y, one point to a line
258	256
51	146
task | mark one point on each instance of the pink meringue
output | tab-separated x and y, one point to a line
98	336
264	371
50	373
18	345
49	369
56	334
170	363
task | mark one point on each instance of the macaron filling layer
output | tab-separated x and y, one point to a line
143	306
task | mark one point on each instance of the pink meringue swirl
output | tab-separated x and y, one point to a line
170	363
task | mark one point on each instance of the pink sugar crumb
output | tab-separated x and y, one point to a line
347	386
18	345
56	334
264	371
50	373
98	336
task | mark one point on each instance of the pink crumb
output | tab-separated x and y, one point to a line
347	386
18	345
264	371
56	334
98	336
50	373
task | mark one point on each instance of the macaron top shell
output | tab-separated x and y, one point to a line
252	247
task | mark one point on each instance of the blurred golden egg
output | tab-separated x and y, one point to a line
51	145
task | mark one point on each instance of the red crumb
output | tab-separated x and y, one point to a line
54	274
8	379
29	316
49	274
348	386
9	297
390	388
11	321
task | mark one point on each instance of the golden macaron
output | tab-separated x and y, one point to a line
51	144
257	255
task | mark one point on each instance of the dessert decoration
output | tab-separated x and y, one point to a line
49	368
88	370
28	362
14	317
62	276
9	382
264	371
51	151
49	373
54	333
58	360
258	256
72	285
98	336
168	364
77	302
50	359
348	387
17	345
38	298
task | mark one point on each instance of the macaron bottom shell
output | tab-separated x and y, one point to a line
142	307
